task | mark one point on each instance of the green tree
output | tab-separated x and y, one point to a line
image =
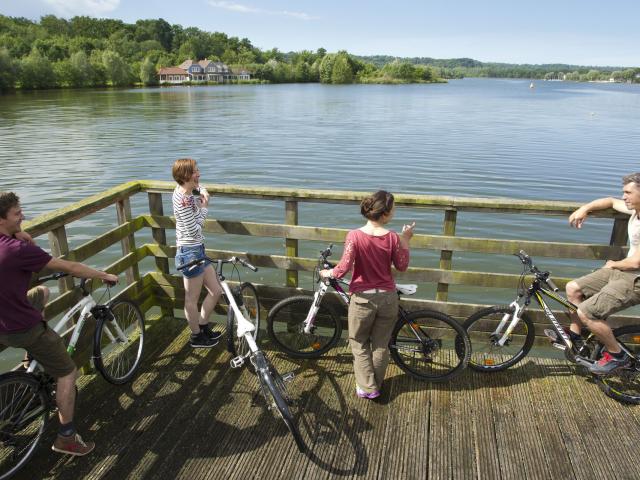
342	72
36	71
302	72
148	73
325	70
53	48
55	26
81	70
230	57
8	70
116	69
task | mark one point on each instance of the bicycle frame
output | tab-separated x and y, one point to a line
245	327
85	306
317	300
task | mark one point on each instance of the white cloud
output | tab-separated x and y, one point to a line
83	7
237	7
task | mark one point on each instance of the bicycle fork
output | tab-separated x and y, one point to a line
313	311
515	318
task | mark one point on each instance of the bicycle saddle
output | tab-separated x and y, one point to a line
407	289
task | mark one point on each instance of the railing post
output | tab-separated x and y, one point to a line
291	245
123	207
619	232
449	228
160	236
59	247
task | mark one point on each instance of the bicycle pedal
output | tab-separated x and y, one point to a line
551	334
559	346
287	377
237	362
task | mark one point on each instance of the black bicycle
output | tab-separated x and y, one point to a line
427	344
503	335
28	397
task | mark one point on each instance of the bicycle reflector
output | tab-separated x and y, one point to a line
316	346
636	339
489	361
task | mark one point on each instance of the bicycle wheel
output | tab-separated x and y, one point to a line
286	322
24	412
118	342
430	345
250	308
623	384
275	393
487	355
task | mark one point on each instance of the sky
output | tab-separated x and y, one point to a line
577	32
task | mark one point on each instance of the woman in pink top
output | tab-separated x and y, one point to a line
370	252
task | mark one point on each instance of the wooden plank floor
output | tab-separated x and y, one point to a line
188	415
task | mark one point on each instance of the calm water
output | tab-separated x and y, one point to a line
472	137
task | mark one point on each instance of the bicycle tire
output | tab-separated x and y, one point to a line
425	358
116	359
623	384
274	386
24	414
285	324
486	355
251	309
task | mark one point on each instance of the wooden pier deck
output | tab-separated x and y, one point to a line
188	415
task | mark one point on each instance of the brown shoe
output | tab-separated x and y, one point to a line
72	445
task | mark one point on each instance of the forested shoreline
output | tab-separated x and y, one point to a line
90	52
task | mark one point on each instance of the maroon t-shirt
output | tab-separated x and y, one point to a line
18	260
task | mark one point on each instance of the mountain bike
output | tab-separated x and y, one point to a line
427	344
503	335
27	397
272	384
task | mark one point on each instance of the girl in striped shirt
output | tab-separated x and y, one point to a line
190	202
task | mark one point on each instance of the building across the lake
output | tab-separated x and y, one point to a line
202	71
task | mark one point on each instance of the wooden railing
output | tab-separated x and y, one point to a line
161	288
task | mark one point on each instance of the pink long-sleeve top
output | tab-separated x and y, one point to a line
371	258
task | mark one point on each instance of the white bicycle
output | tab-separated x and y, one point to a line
27	397
272	384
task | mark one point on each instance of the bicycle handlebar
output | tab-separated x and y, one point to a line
326	252
53	276
544	276
232	260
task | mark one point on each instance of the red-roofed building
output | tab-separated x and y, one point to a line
202	71
173	75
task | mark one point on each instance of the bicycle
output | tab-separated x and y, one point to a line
503	335
27	397
272	384
427	344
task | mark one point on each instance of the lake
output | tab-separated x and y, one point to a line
471	137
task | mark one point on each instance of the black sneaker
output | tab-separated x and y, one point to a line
206	329
200	340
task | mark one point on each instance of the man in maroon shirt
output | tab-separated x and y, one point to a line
21	322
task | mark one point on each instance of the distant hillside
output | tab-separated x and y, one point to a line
468	67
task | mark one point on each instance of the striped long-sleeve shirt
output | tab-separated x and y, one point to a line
189	219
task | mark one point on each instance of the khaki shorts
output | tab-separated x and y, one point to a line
42	343
608	291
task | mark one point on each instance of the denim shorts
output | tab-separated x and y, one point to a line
189	253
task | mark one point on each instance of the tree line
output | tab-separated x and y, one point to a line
90	52
468	67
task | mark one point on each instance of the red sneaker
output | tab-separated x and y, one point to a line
72	445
